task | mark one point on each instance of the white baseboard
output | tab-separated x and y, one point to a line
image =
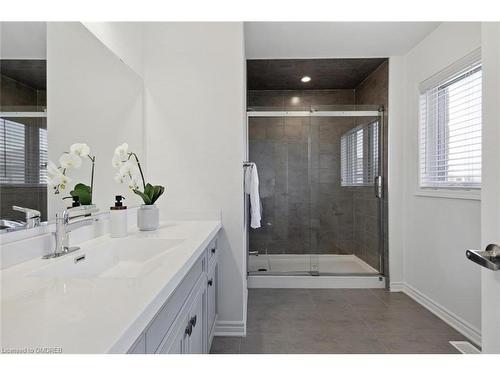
268	281
465	347
229	328
245	301
397	286
465	328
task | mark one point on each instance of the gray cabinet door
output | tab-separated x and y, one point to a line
176	343
196	340
211	298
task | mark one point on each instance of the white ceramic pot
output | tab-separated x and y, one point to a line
148	217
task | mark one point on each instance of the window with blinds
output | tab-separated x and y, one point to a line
17	165
450	127
359	155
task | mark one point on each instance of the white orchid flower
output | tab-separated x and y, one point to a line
65	179
122	150
116	161
60	180
80	149
54	180
52	170
119	178
133	183
69	161
128	169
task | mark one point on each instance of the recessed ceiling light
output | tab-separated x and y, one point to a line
305	79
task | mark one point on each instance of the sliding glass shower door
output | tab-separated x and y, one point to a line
345	210
317	171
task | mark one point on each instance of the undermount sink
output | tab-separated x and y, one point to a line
116	258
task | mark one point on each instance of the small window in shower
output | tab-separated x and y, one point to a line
359	155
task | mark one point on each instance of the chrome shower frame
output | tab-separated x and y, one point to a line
380	183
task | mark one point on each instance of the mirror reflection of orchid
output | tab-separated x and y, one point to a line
130	172
58	177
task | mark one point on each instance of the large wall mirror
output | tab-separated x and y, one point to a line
61	85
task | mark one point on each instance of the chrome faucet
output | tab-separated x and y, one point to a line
67	221
32	216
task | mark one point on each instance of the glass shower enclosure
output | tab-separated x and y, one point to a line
321	189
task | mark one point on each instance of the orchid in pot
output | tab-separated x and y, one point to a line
58	177
130	172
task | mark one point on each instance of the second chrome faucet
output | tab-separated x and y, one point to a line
66	221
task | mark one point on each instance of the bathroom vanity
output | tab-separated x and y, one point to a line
185	323
152	292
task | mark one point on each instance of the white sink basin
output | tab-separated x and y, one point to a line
116	258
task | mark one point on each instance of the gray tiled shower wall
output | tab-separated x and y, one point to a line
305	210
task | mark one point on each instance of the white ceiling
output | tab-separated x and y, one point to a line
23	40
286	40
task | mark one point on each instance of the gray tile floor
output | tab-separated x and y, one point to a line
339	321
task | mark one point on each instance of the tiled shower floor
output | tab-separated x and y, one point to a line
334	264
338	321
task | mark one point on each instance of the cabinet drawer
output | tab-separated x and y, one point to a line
167	314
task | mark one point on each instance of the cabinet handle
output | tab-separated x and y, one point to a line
213	250
189	329
210	282
193	321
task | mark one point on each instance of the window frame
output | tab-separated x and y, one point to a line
464	67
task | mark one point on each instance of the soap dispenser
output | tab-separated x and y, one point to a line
118	218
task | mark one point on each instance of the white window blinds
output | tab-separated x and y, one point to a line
17	166
359	155
43	155
450	126
12	152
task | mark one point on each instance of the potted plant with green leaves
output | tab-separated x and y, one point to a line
130	172
59	180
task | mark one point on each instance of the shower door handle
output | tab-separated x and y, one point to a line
379	187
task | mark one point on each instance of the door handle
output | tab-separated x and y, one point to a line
489	258
210	282
379	186
193	321
189	329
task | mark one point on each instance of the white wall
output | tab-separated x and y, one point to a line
436	231
195	88
125	39
23	40
396	170
292	40
92	97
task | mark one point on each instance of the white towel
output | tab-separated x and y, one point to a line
252	189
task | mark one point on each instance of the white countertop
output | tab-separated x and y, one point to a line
95	315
